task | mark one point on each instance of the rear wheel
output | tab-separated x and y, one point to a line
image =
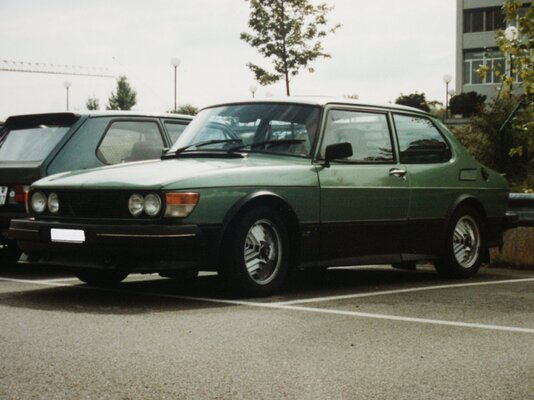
256	256
101	277
464	244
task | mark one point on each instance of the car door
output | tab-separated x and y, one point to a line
433	179
364	198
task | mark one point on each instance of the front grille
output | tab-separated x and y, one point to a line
93	204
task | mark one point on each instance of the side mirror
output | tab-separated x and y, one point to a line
336	152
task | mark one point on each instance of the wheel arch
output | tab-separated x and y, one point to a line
465	200
268	199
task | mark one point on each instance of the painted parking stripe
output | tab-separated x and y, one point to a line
280	306
398	291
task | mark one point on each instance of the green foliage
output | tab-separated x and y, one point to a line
494	146
92	103
467	104
519	50
508	124
124	98
416	100
288	33
187	109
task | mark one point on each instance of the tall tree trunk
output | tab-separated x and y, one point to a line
287	84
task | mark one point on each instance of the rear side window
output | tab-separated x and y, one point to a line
130	141
175	130
368	133
420	142
30	144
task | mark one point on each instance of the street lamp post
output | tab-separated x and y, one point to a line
447	78
451	92
511	34
175	62
67	85
253	89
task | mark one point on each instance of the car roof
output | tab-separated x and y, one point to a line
69	118
323	101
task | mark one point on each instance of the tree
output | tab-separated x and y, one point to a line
187	109
124	98
467	104
416	100
92	103
512	134
288	33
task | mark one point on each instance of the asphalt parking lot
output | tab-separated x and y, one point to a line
359	333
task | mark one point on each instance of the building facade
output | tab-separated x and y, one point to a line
476	24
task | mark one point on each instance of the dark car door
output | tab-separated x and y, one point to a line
364	198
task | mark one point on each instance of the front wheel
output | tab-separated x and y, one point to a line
256	253
464	244
101	278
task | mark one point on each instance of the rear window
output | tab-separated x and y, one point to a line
30	144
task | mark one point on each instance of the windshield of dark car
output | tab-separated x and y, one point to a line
289	129
30	144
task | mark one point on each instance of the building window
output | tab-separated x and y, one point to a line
484	20
491	58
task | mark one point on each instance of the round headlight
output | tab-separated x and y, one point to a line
53	203
38	202
152	204
135	204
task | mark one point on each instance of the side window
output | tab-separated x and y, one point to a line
130	141
175	129
368	133
420	141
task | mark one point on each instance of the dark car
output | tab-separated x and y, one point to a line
38	145
254	189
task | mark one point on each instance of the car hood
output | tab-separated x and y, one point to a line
184	173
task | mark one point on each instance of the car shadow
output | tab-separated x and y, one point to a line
142	294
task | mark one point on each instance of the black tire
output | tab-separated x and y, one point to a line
101	278
464	244
260	235
182	275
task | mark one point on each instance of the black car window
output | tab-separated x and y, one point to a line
420	142
368	133
175	129
30	144
130	141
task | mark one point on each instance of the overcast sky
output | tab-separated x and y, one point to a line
384	48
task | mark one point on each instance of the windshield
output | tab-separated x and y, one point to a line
277	128
30	144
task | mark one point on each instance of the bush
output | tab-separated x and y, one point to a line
416	100
467	104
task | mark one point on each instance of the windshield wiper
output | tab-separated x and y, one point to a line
272	142
207	142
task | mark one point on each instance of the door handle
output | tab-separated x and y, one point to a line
399	173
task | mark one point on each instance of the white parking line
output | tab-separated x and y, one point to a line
397	291
285	306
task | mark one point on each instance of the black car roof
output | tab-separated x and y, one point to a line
68	119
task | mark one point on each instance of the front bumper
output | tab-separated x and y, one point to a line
143	248
5	219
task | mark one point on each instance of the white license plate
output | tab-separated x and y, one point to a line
3	195
67	235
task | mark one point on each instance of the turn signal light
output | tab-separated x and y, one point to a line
180	204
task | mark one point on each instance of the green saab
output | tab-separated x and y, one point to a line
255	189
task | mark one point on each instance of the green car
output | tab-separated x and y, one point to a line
255	189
